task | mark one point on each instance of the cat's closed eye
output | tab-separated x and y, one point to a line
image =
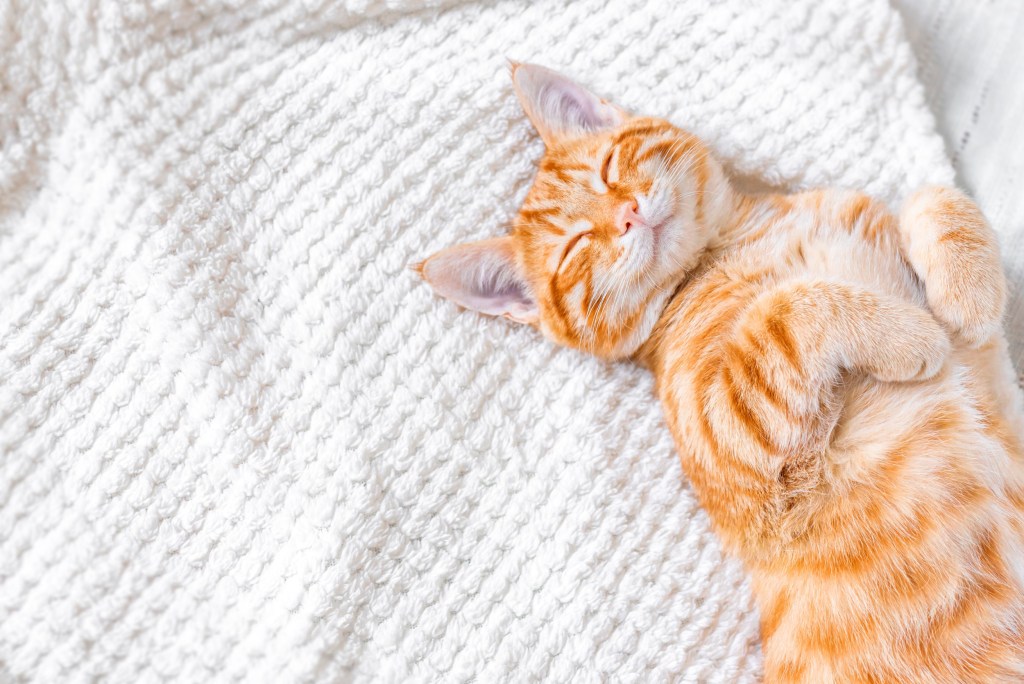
571	247
606	166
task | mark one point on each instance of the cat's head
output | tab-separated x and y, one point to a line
620	210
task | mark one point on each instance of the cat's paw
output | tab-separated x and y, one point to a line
915	348
955	252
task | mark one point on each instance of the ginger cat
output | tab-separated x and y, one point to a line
835	378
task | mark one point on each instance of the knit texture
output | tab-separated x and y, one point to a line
242	442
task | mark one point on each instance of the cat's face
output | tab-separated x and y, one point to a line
618	212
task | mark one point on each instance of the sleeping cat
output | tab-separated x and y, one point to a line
835	378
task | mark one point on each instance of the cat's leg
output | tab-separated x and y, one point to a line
819	327
785	357
954	251
951	246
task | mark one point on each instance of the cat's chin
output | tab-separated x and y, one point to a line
669	245
675	258
658	229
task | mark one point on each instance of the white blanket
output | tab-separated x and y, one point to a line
241	441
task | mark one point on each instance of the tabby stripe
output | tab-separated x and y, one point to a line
750	369
778	331
741	409
641	131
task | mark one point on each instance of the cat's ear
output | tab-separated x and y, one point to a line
559	108
482	276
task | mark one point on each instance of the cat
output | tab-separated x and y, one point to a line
835	378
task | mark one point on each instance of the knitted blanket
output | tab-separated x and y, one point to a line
242	442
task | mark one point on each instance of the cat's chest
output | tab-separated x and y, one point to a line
810	248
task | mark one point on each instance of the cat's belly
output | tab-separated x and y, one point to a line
914	543
972	412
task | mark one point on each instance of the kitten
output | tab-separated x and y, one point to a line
835	378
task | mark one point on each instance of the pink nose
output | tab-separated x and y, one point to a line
628	216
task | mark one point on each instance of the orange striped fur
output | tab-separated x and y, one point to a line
835	377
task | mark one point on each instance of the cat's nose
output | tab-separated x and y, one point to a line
628	217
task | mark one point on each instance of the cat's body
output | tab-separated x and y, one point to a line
835	378
883	522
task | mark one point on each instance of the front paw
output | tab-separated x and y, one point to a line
954	250
916	348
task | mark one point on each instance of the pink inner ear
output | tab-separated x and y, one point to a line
567	103
558	106
482	276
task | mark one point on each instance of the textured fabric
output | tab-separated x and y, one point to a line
971	59
241	441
